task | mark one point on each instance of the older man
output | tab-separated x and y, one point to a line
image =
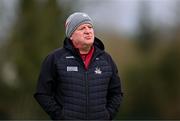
80	80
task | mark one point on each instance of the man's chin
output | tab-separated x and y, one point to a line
87	45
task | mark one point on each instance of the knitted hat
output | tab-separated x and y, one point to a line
74	21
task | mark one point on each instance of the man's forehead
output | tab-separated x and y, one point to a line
84	24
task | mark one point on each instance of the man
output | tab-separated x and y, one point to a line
80	80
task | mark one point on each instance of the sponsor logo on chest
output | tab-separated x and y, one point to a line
72	68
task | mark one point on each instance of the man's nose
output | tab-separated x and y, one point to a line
87	29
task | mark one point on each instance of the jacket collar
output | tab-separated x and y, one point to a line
98	45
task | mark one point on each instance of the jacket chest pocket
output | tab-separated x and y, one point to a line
69	72
102	71
64	70
100	75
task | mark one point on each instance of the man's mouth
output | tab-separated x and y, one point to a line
88	37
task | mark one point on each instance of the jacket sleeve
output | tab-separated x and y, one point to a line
114	96
45	89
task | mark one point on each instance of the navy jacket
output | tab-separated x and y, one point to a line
66	90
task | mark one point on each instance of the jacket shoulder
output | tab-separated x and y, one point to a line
109	58
56	54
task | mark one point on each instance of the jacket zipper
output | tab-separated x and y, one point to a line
87	95
86	83
87	86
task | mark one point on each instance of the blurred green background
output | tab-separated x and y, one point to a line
148	58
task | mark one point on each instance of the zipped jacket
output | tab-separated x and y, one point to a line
67	90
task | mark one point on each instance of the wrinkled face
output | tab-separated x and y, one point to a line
83	36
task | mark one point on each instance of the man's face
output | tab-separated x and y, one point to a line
83	36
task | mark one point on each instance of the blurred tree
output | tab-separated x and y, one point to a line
168	71
37	31
177	28
153	81
145	36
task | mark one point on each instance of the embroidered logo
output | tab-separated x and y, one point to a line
72	68
84	15
97	58
98	71
69	57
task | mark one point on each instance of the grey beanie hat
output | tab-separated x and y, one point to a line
74	21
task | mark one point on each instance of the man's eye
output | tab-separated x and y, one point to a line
81	28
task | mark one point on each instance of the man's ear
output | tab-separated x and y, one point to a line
71	38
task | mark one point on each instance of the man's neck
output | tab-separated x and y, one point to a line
84	50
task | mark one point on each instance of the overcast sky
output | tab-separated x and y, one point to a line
121	15
7	16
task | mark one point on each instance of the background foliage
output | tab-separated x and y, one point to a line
149	63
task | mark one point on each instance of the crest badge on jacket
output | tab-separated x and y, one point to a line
98	70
